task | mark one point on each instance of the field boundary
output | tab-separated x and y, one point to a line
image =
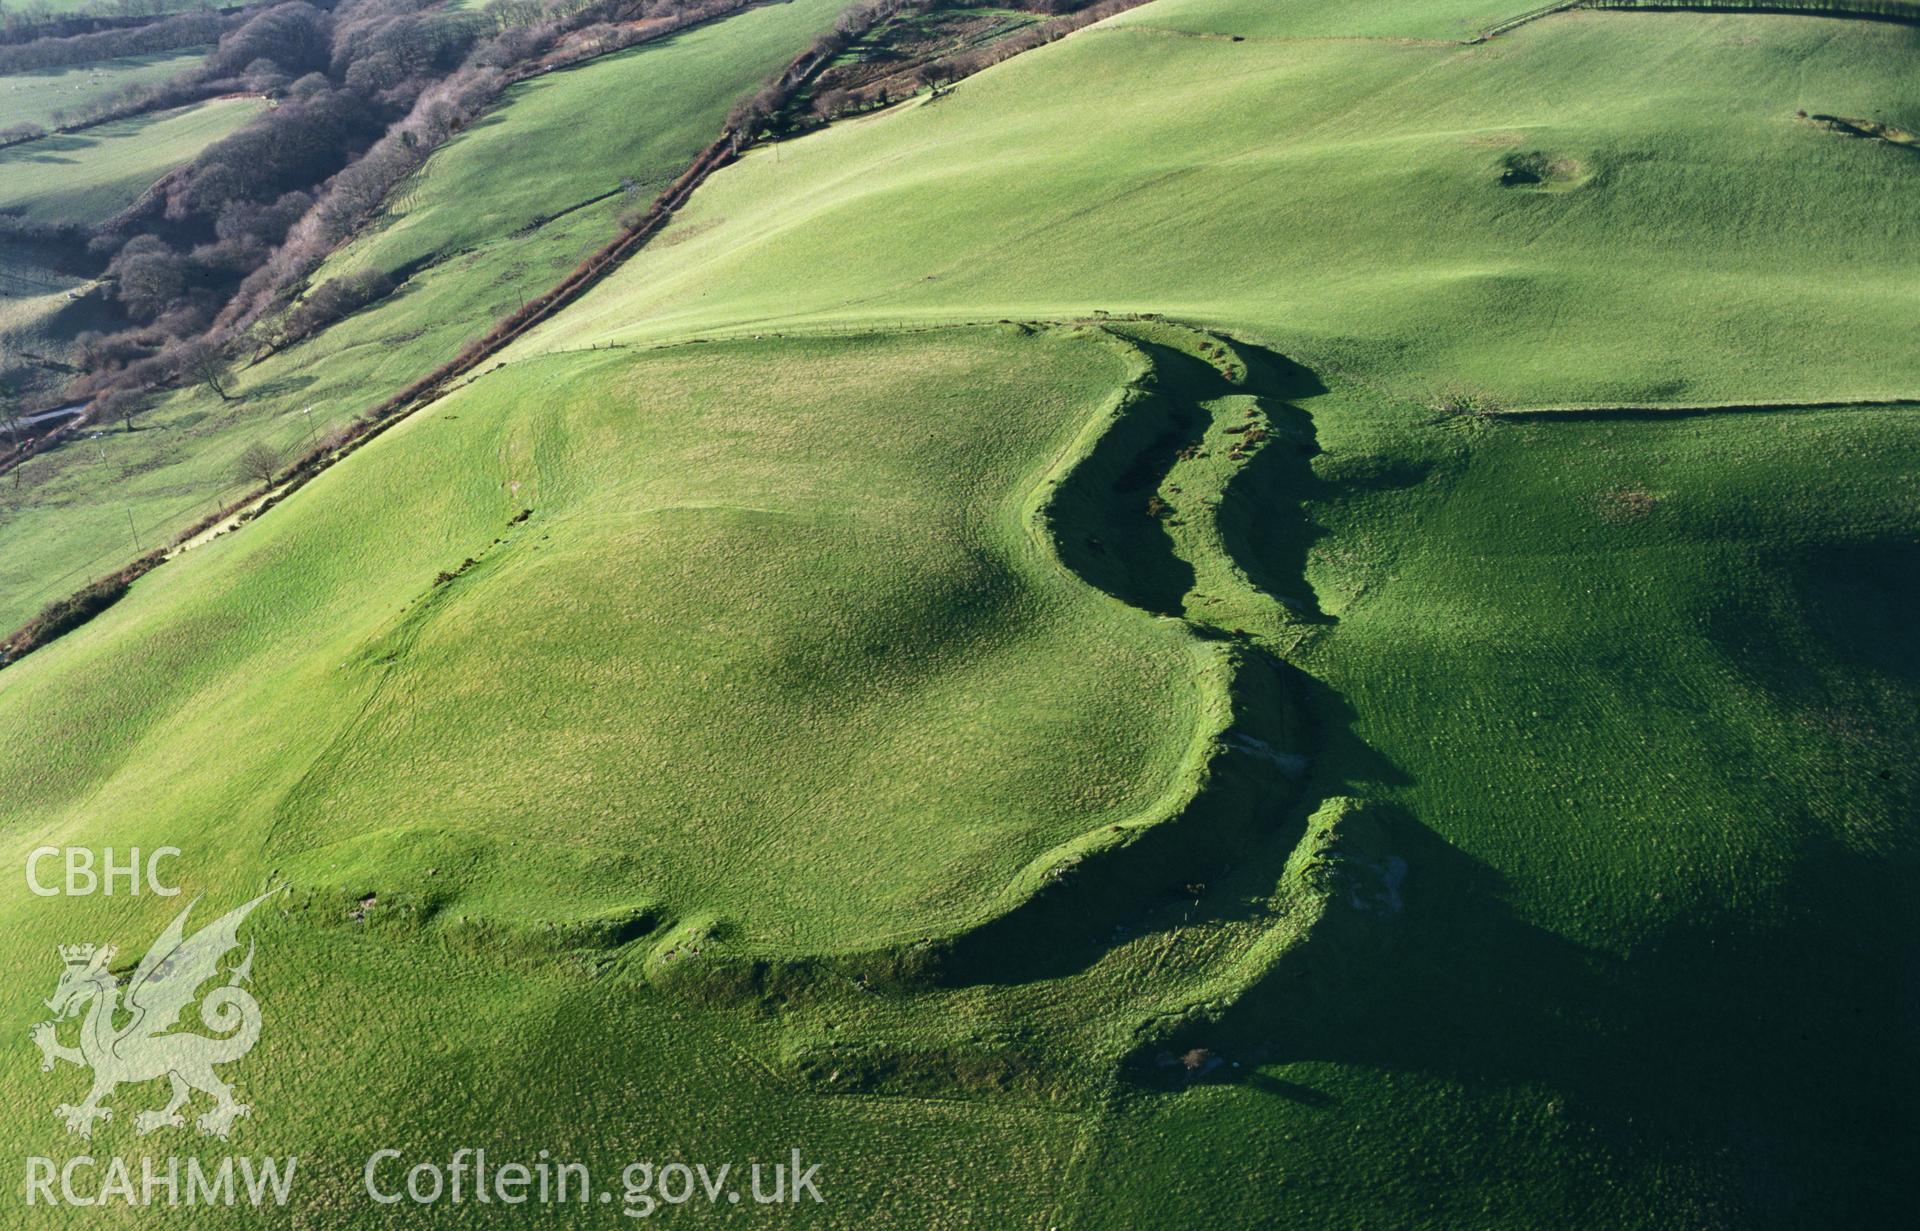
1651	410
1897	11
1521	19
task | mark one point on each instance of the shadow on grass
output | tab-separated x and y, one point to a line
1102	513
1262	516
1217	860
1754	1049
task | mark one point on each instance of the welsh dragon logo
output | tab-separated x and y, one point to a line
146	1047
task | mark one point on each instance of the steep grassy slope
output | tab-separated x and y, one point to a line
1297	19
88	177
1368	203
32	98
710	560
642	113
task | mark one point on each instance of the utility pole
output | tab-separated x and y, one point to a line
130	529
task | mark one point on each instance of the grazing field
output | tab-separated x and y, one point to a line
45	302
1305	19
87	177
33	98
1368	203
599	139
961	630
1310	631
630	114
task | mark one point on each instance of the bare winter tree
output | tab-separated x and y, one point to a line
9	415
121	404
260	462
204	363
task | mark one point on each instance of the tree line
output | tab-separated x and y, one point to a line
168	34
23	21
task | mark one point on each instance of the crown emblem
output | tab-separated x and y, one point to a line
86	955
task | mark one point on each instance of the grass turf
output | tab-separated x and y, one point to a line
87	177
1347	199
32	98
1626	695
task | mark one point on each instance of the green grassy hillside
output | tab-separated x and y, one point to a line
1349	200
32	98
636	114
873	677
90	176
961	631
1303	19
598	139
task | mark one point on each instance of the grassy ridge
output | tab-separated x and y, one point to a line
708	562
87	178
32	98
1355	201
633	522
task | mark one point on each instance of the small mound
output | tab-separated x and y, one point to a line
1538	169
